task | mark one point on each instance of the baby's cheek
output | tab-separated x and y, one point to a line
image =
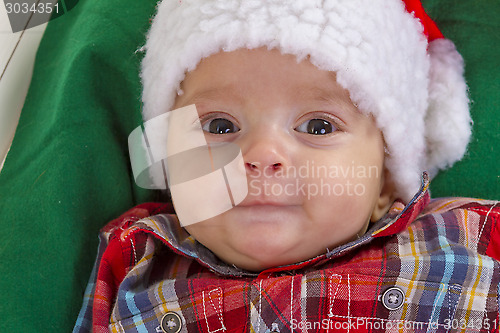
352	200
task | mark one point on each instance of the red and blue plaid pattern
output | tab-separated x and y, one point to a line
427	267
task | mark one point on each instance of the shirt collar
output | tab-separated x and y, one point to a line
166	227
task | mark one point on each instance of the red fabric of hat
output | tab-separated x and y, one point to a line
430	28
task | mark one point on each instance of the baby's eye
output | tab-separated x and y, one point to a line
316	127
220	126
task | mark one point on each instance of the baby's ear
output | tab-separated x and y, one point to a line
385	199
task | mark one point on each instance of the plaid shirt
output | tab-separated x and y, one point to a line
426	267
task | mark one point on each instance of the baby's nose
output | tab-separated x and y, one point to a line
255	167
265	156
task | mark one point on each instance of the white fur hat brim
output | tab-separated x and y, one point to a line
415	90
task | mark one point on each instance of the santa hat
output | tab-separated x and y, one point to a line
388	54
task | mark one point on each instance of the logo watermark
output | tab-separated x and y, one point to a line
308	190
311	179
170	151
312	170
26	14
357	324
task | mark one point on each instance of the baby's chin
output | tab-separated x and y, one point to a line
255	239
261	259
256	251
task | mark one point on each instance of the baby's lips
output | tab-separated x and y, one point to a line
265	202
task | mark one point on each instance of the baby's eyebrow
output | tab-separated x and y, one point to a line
213	94
334	96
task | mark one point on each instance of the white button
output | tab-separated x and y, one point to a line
171	323
393	298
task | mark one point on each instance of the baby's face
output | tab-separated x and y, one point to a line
314	162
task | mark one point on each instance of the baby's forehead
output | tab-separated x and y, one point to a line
244	75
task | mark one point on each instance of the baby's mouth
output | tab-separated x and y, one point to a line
262	202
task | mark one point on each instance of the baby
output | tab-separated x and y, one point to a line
337	109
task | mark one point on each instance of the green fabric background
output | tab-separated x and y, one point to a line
68	172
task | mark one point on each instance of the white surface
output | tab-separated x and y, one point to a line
17	54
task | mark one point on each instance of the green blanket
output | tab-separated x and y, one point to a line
68	170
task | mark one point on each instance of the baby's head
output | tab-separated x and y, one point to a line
337	107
